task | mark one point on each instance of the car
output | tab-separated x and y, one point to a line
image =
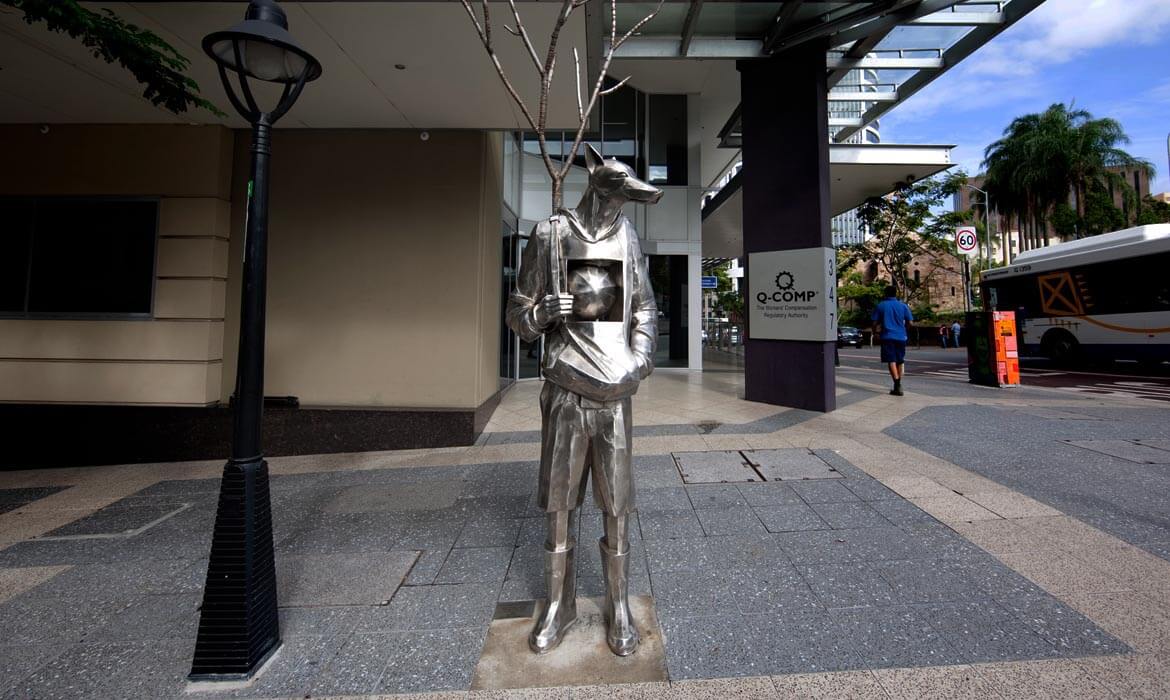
848	336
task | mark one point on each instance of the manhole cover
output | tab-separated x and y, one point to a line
714	467
791	464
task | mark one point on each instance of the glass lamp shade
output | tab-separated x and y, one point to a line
265	49
263	60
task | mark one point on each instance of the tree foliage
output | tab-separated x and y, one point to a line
152	61
1044	158
1154	211
906	226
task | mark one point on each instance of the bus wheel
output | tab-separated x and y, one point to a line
1060	346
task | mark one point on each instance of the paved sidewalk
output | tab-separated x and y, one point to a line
889	553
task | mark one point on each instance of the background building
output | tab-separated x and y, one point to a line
402	189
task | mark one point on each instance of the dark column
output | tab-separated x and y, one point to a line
786	206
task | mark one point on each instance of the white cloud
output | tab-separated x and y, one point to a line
1009	69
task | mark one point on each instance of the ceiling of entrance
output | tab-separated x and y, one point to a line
856	172
447	82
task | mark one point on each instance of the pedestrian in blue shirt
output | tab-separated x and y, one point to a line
891	318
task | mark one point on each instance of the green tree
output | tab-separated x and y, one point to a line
1154	212
904	226
153	62
1044	158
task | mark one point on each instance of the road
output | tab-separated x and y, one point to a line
1121	380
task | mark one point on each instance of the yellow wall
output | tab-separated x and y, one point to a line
384	268
174	358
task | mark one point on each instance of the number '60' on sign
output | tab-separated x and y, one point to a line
966	240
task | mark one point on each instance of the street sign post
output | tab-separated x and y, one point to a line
966	241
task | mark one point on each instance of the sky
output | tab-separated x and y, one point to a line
1110	57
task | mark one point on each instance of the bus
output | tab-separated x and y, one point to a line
1101	298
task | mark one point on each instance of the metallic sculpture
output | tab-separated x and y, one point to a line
583	284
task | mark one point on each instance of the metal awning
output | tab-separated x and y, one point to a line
856	172
893	48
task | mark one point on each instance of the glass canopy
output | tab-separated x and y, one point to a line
883	51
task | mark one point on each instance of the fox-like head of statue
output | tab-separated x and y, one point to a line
614	180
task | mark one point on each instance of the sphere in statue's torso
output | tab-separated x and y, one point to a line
594	292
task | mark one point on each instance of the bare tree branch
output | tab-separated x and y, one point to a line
485	36
614	88
599	85
539	123
523	33
577	64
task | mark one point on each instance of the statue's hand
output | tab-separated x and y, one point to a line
552	308
645	365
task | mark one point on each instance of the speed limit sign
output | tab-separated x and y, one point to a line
966	240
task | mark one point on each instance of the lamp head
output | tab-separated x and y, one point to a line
260	47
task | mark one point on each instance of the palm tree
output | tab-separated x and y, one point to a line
1043	158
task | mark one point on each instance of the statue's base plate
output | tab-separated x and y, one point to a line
583	658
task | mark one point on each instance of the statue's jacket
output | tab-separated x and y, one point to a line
600	360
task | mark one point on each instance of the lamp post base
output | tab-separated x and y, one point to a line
238	624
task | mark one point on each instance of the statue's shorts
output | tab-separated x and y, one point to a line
579	437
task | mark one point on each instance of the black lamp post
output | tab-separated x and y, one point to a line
238	626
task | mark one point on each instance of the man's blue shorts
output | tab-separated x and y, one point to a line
894	351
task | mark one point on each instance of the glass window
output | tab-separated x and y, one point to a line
619	125
77	257
667	139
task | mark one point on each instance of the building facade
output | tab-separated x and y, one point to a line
403	186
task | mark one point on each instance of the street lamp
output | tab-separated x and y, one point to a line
238	626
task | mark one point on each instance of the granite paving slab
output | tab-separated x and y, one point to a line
715	496
769	493
1125	449
11	499
116	520
478	564
730	520
399	599
790	518
1122	497
432	607
341	579
81	670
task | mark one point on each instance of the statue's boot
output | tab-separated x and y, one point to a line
560	607
621	634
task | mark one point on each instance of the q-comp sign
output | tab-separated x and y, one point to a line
792	295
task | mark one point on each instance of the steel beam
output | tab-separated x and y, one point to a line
964	47
689	24
701	47
959	19
900	14
779	40
887	96
878	63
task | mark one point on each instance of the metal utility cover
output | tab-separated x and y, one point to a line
792	464
714	467
1126	449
